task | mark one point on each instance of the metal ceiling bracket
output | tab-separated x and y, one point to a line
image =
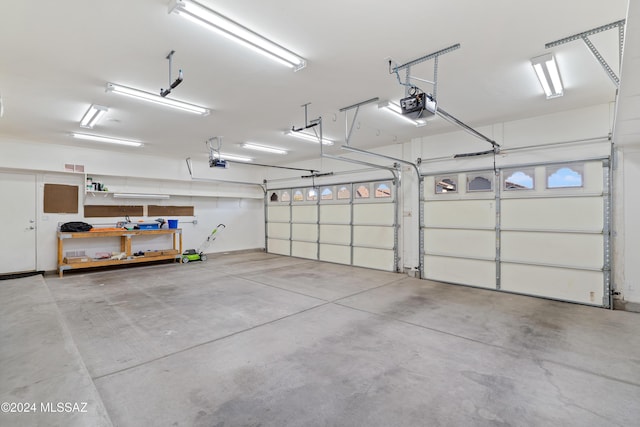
310	124
584	36
612	75
407	67
174	84
349	130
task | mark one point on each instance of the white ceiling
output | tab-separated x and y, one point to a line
57	57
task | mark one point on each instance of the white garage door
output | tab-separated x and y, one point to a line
350	223
460	230
539	230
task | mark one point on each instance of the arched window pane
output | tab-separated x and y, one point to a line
479	183
564	176
312	194
344	193
519	180
274	197
298	196
285	196
326	194
362	192
382	190
446	185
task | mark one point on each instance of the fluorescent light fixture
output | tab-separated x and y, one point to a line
93	116
394	108
548	74
263	148
232	157
98	138
224	26
139	196
308	137
157	99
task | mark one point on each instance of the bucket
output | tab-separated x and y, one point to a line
173	223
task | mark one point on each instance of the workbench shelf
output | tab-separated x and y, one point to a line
125	237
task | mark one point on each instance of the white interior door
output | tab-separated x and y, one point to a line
18	218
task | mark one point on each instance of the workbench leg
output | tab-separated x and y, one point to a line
60	254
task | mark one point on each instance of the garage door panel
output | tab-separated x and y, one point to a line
304	213
335	253
280	247
460	213
562	249
463	243
373	236
379	259
304	250
565	284
308	232
374	214
278	230
278	213
340	234
462	271
335	214
567	213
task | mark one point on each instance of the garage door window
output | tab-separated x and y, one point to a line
285	197
362	192
274	197
312	194
344	193
479	183
298	196
564	176
383	190
520	179
327	193
448	184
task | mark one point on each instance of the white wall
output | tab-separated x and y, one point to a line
627	215
239	207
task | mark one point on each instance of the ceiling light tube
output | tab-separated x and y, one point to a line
394	108
98	138
546	69
140	196
308	137
157	99
232	157
93	116
263	148
230	29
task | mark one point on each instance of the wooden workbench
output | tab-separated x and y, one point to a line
125	237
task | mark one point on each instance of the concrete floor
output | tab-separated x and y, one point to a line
261	340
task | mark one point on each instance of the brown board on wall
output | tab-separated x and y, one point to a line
59	198
96	211
154	210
